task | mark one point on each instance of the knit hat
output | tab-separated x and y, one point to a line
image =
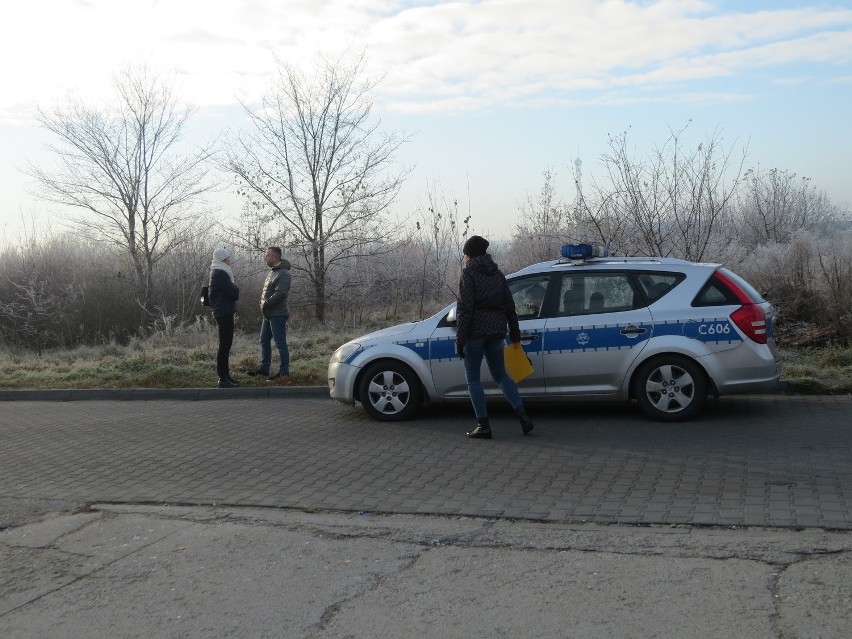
475	246
221	254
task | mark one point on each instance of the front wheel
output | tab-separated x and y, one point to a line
670	388
390	391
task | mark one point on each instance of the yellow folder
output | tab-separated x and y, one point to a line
518	365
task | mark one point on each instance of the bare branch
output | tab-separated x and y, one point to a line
315	168
120	166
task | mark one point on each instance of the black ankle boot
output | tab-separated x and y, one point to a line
526	422
482	430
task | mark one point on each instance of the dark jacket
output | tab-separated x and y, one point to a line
485	306
276	290
223	294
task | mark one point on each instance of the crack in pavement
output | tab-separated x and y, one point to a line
84	574
376	582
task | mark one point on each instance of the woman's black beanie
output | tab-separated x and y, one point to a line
475	246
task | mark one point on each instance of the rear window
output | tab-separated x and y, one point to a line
725	288
749	290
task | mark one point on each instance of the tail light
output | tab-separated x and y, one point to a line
751	320
749	317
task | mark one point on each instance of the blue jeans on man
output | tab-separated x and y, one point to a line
492	350
274	328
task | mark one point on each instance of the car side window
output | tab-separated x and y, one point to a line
529	295
595	292
656	285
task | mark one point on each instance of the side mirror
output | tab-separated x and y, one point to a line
451	316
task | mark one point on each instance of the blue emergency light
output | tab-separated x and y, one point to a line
583	251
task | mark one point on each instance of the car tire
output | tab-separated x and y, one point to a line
390	391
671	388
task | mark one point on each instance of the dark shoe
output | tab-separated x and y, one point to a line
224	382
278	376
482	430
232	380
526	422
257	373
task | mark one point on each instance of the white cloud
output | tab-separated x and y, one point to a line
602	44
842	80
459	55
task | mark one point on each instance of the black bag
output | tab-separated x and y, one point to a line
205	296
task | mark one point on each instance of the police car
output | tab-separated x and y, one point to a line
664	332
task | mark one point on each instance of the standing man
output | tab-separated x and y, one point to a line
276	312
223	294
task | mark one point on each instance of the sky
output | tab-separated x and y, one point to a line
491	92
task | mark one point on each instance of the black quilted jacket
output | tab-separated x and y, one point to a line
485	306
223	294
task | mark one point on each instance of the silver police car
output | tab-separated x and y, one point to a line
664	332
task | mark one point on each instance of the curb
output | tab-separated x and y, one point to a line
186	394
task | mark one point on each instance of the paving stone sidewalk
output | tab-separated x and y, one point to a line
756	460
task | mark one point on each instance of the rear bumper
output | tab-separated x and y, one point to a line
749	368
770	386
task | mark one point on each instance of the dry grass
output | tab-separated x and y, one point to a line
182	358
185	357
818	370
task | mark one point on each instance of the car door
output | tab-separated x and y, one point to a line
534	300
447	367
599	327
530	295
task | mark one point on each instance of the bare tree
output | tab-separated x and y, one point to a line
595	218
314	168
122	165
775	205
440	237
669	204
541	231
34	314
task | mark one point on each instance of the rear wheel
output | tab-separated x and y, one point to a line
390	391
670	388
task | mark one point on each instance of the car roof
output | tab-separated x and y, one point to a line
638	263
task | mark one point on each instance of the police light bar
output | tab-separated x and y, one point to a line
583	251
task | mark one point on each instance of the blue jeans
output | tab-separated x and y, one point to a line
274	327
492	350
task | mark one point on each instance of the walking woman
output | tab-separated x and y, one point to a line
484	311
223	302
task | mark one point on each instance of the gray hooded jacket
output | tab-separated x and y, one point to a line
276	290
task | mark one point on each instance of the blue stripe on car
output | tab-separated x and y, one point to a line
443	348
420	346
591	337
716	330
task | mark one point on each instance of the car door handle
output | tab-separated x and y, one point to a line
530	338
633	330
